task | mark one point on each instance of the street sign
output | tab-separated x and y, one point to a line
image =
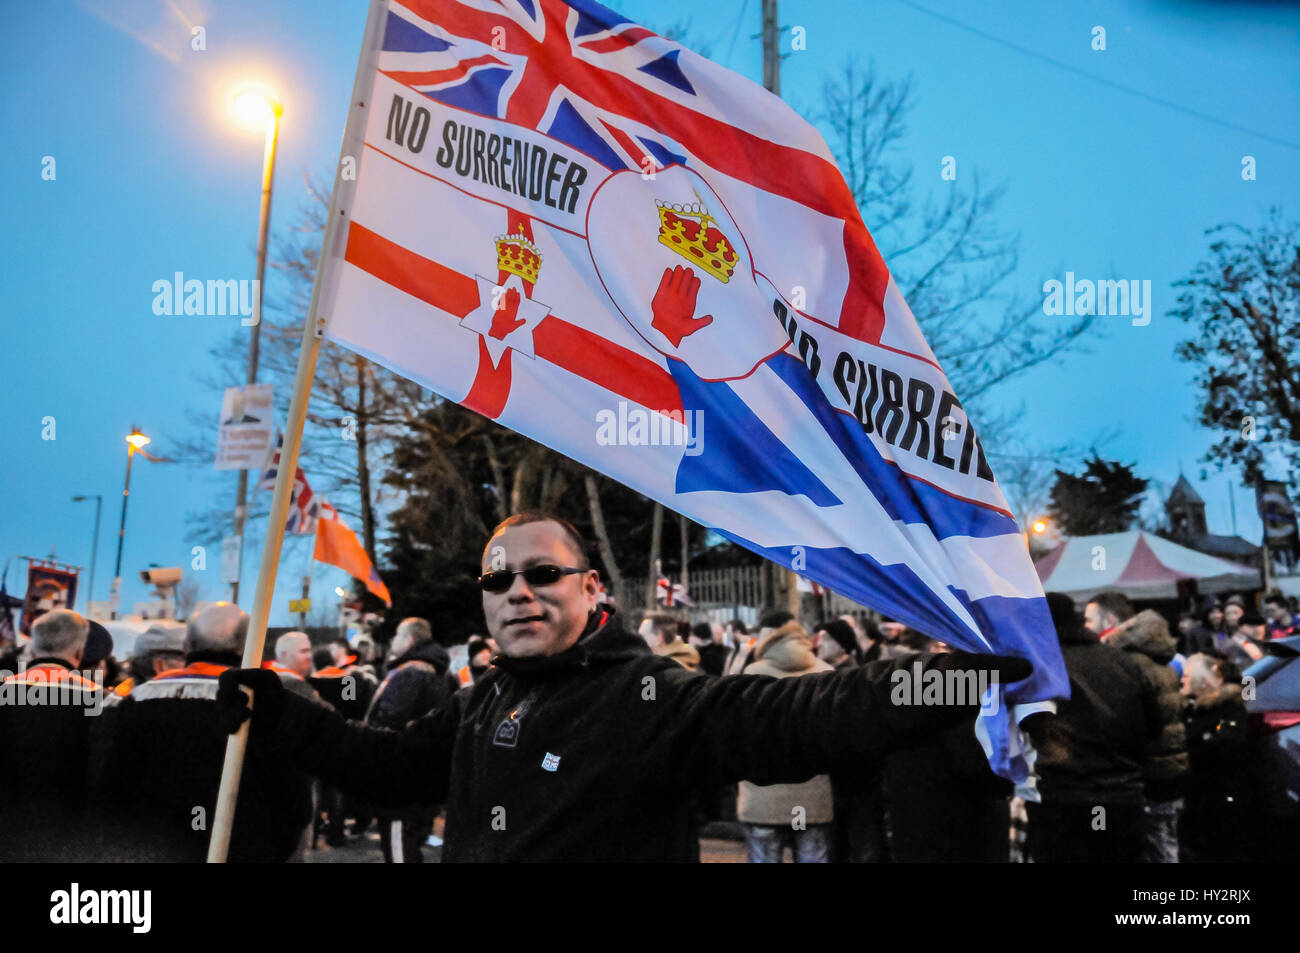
300	606
231	551
245	434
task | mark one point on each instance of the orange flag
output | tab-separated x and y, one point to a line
337	545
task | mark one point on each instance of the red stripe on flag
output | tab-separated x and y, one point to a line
491	384
435	76
566	345
418	276
604	363
637	153
622	41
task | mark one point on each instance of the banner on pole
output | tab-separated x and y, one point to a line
649	263
244	436
48	587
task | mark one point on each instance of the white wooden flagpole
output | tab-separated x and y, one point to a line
312	333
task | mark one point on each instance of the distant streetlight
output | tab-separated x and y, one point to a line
1040	526
254	106
135	440
94	546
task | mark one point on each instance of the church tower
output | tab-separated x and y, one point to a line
1186	511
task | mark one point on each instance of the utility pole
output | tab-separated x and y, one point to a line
273	111
306	591
771	52
771	36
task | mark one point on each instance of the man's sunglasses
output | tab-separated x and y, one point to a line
502	579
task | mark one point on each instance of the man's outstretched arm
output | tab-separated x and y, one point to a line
770	731
391	768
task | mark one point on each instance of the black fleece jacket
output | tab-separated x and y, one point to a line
591	754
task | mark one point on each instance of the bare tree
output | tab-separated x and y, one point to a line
948	257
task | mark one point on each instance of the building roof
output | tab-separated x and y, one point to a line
1226	547
1183	493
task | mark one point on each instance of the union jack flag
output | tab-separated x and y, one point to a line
304	505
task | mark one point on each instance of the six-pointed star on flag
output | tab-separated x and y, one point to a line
505	316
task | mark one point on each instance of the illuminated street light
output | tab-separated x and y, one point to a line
1040	526
135	440
255	107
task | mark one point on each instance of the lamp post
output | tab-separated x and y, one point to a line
135	440
254	106
94	546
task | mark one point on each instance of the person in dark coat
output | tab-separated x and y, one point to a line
1090	753
943	803
45	743
580	744
415	685
1220	814
713	654
1145	637
160	758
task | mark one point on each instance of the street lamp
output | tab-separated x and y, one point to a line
135	440
1040	527
254	107
94	546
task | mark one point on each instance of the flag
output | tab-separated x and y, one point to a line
337	545
599	239
1277	514
672	593
304	504
309	512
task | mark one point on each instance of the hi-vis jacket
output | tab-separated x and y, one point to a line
592	754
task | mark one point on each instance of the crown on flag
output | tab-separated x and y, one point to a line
687	230
517	255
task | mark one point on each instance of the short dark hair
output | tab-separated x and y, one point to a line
1275	598
576	542
738	627
664	624
1116	603
775	619
842	633
702	630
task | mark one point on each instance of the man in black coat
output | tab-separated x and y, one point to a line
46	714
415	685
159	761
1091	752
580	744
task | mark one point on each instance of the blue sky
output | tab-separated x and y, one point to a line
152	178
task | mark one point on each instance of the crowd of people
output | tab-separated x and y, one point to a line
563	736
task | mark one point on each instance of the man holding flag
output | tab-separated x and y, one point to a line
605	242
580	744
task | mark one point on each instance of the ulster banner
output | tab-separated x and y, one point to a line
649	263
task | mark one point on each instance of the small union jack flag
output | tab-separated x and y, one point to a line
305	505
